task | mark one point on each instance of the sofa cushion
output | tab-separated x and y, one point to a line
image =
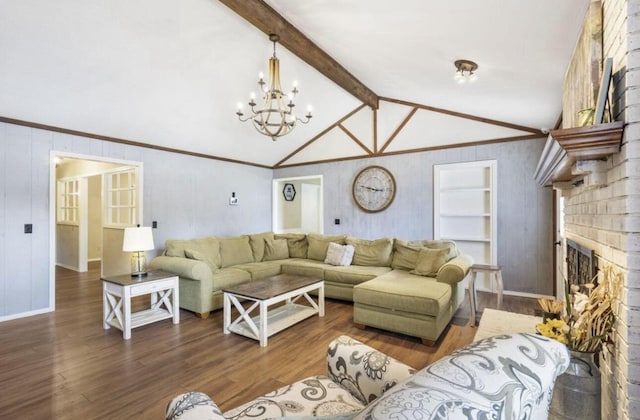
430	261
372	253
339	254
354	274
311	268
256	241
401	291
318	245
297	243
275	249
260	270
235	250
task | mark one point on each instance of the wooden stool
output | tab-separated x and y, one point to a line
482	268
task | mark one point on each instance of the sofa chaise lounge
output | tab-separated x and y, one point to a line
409	287
501	377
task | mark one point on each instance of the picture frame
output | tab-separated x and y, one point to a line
289	192
603	93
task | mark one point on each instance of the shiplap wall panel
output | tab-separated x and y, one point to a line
4	178
40	173
187	195
18	281
524	208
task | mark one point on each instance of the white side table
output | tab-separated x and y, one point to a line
482	268
117	292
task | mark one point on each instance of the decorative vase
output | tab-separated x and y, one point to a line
576	394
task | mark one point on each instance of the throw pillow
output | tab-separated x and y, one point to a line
339	254
256	241
297	243
318	245
430	261
235	250
201	256
174	247
405	256
436	244
275	249
376	253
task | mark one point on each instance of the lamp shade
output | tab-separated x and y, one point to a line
137	239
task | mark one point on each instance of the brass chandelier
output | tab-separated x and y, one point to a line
275	118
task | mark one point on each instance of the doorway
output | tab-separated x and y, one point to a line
92	200
297	205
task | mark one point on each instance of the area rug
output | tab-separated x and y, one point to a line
494	322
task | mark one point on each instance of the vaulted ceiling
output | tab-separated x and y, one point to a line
169	74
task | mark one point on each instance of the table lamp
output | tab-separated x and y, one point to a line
137	240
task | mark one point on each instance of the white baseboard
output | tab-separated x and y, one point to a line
25	314
68	267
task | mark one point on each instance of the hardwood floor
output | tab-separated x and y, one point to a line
63	365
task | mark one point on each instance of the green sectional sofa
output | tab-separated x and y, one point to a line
410	287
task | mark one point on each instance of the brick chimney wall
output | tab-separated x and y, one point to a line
607	218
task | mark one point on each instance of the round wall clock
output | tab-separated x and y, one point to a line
374	188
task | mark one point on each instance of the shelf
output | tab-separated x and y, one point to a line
565	147
466	239
465	214
465	189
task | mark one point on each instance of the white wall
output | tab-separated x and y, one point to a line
188	196
525	243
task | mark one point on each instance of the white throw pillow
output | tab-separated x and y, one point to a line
339	254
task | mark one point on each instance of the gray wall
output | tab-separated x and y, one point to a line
524	209
188	196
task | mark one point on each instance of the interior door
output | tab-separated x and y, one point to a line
121	204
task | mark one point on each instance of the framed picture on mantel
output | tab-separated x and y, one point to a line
603	93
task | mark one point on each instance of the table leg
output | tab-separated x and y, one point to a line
472	299
321	300
226	313
500	286
262	331
106	307
176	303
126	303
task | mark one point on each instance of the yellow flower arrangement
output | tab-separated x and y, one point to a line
589	317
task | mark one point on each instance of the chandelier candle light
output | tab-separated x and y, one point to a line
137	240
276	117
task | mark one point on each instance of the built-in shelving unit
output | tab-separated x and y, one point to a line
570	153
465	207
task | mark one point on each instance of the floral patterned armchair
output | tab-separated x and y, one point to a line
501	377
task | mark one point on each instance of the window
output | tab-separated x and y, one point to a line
121	198
68	201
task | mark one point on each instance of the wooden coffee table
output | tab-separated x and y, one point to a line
262	294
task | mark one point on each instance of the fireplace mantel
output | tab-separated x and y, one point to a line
570	146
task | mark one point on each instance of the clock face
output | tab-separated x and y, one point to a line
374	189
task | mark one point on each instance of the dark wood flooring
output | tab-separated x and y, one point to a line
63	365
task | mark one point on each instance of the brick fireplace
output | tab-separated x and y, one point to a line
604	217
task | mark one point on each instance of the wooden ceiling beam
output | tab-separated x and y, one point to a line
265	18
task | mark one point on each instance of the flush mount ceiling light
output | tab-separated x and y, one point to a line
465	71
275	117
